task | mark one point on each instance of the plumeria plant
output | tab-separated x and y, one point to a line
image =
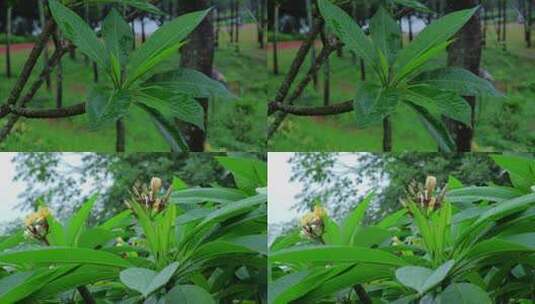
175	245
447	244
134	77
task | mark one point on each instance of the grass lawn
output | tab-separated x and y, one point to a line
503	123
234	125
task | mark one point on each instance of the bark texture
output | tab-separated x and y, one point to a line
465	52
198	54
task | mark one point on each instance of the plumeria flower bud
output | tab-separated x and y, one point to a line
430	184
155	185
312	223
36	223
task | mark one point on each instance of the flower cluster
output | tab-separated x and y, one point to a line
426	196
37	224
312	224
149	197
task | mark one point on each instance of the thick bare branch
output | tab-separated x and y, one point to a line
334	109
74	110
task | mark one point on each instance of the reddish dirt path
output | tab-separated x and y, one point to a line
283	45
16	47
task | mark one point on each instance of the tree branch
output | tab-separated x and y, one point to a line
30	63
334	109
362	294
74	110
298	61
86	295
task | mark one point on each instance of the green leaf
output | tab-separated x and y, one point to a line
423	279
370	236
414	4
286	240
464	293
441	102
145	280
348	32
80	276
332	235
189	294
372	103
56	235
119	220
392	219
354	219
139	4
335	254
186	81
200	195
385	33
77	31
495	213
293	286
20	285
484	193
118	36
167	129
498	247
249	173
435	34
187	109
162	43
435	127
13	240
244	244
95	237
358	274
279	288
521	170
62	255
457	80
106	106
76	224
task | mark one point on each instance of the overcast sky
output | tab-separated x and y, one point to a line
282	192
9	190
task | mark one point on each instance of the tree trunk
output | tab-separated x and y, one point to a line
8	41
261	23
237	22
86	17
59	85
387	134
275	34
411	36
217	16
231	22
42	22
362	70
95	72
504	24
485	25
313	49
465	52
198	54
529	22
326	82
143	35
120	141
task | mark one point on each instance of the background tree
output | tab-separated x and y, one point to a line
51	177
331	181
198	54
8	37
465	52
